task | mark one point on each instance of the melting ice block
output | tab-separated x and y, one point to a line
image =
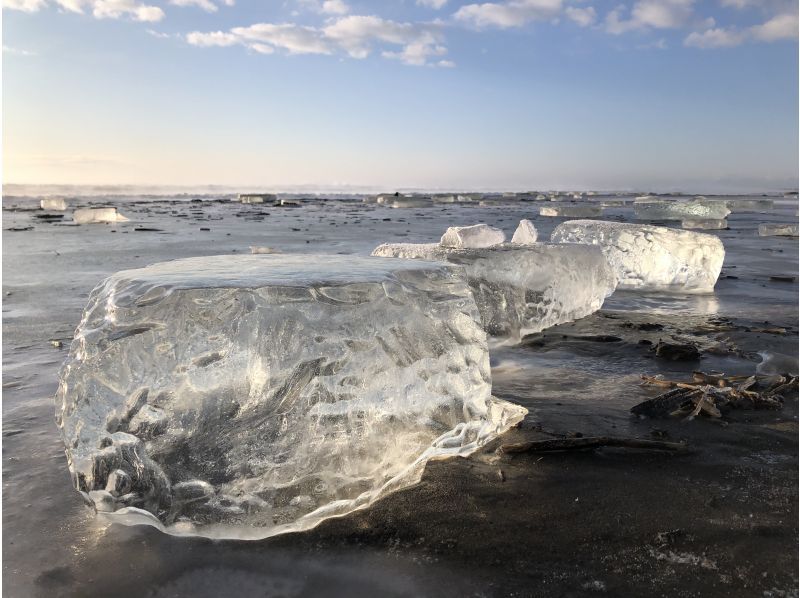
745	204
53	203
525	234
97	215
651	258
522	289
476	236
245	396
703	224
579	211
706	209
777	230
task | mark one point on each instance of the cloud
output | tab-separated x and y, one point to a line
327	7
647	14
17	51
714	38
513	13
100	9
779	27
206	5
435	4
419	43
582	16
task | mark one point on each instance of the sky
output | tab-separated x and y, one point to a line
661	95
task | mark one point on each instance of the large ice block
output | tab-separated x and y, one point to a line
97	215
522	289
568	211
526	233
651	258
777	230
53	203
475	236
706	209
746	204
703	224
245	396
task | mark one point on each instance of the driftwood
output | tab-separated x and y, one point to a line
708	393
584	443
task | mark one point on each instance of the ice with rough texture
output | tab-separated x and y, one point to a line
475	236
245	396
746	204
411	202
53	203
522	289
580	211
777	230
651	258
97	215
704	224
526	233
706	209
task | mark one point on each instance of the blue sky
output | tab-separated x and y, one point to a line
515	94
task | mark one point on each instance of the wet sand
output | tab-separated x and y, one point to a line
720	520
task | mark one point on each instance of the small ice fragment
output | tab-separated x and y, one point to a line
53	203
476	236
257	197
777	230
263	250
568	211
411	202
707	209
522	289
525	234
704	224
651	258
97	215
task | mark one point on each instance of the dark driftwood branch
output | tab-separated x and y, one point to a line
566	444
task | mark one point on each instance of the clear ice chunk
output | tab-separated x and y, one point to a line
526	233
53	203
777	230
704	224
746	204
651	258
706	209
474	237
97	215
246	396
579	211
522	289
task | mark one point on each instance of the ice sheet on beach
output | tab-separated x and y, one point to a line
522	289
525	234
569	211
777	230
97	215
53	203
475	236
245	396
707	209
651	258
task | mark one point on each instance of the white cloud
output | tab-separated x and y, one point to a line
656	14
335	7
419	43
582	16
779	27
17	51
206	5
714	38
24	5
512	13
435	4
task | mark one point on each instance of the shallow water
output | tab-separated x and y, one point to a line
53	545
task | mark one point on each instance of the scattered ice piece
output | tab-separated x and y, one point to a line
96	215
53	203
263	250
525	234
646	199
776	364
288	203
651	258
777	230
411	202
704	224
707	209
257	197
475	236
578	211
246	396
522	289
747	204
